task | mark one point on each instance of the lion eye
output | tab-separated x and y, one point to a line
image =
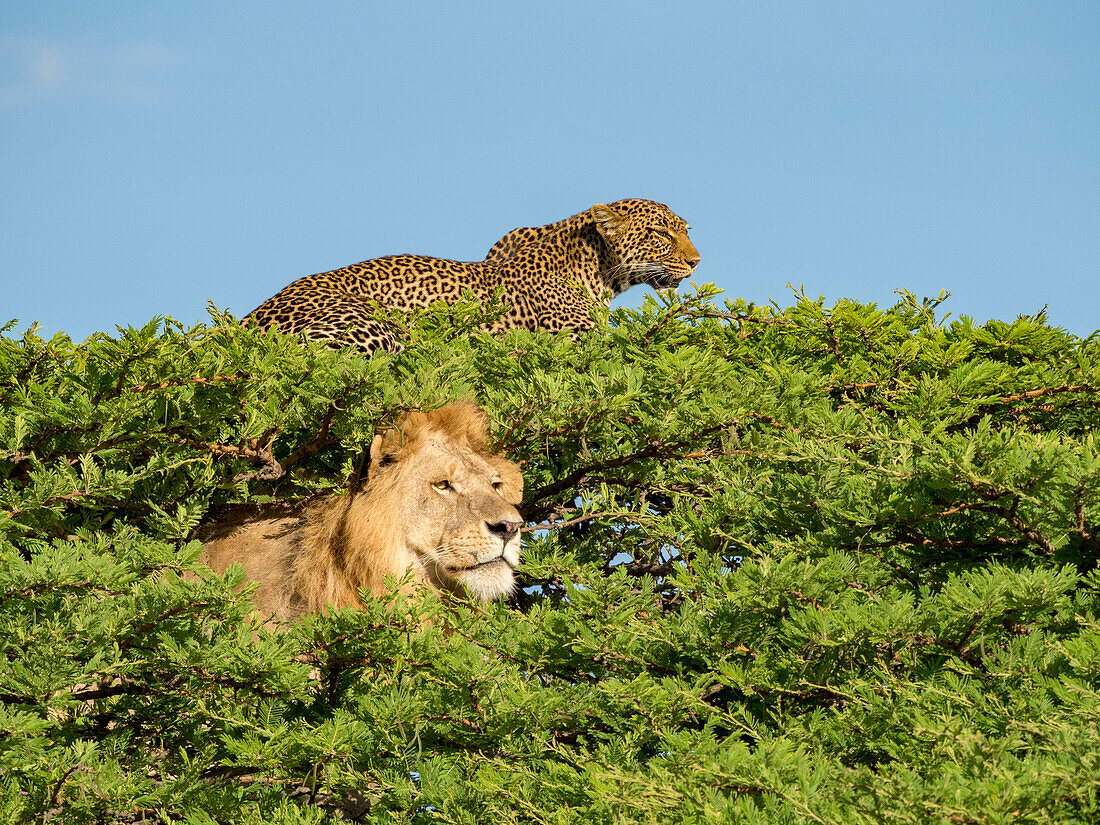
498	485
442	485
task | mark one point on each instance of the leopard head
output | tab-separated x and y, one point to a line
648	242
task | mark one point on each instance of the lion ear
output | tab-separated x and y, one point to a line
511	482
382	452
608	221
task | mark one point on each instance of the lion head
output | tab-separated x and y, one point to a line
436	502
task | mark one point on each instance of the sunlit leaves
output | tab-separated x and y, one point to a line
817	563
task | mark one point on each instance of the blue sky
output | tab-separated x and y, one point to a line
157	156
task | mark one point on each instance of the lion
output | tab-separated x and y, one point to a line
436	502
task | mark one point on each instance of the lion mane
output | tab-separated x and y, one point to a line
436	502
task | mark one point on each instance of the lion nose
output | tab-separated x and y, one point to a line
507	530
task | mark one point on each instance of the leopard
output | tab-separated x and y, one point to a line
549	278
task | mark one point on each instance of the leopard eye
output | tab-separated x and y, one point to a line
662	233
442	485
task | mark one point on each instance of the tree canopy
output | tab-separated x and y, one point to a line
832	564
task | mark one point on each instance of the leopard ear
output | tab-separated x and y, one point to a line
609	222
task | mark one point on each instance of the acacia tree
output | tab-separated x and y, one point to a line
812	564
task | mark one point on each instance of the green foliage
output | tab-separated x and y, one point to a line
789	565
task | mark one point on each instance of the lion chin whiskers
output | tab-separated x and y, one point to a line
485	574
487	583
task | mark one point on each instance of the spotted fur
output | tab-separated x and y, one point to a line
552	276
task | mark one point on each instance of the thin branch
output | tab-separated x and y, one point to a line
1079	511
55	795
319	441
653	449
194	379
270	470
835	341
558	525
73	496
1024	396
865	385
